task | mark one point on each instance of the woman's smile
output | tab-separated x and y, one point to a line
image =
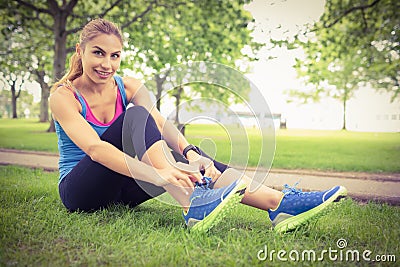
103	74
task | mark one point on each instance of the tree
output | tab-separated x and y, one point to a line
353	43
58	20
363	31
13	65
45	91
371	26
24	42
181	22
330	77
16	86
203	82
200	31
24	105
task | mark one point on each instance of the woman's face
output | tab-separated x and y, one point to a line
101	58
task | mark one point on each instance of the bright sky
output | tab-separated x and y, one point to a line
277	19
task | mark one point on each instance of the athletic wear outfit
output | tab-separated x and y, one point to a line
71	154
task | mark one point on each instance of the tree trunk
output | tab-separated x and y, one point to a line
181	127
14	98
159	82
344	116
60	48
178	103
14	101
345	98
44	100
44	105
52	127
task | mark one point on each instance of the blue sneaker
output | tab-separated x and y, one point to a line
208	206
297	207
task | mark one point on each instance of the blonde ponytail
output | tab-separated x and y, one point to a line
75	71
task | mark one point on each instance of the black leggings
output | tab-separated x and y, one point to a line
91	186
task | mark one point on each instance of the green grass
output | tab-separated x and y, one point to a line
27	135
338	151
306	149
295	149
36	230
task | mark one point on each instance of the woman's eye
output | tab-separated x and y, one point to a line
98	53
115	56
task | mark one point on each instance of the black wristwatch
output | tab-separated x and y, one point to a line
190	147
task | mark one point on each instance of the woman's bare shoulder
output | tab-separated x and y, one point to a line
62	97
132	85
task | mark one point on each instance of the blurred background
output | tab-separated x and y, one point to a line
318	64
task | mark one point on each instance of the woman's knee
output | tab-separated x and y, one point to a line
140	130
138	117
137	113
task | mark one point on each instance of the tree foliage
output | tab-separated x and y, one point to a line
208	30
15	66
370	29
159	32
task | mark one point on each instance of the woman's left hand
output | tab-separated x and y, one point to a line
205	164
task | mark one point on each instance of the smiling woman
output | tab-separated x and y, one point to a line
89	106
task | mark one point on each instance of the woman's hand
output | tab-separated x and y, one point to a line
181	175
203	163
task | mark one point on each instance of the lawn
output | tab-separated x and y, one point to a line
36	230
305	149
27	135
295	149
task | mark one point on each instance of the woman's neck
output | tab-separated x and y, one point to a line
85	85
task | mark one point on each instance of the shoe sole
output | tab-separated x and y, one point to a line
295	221
227	205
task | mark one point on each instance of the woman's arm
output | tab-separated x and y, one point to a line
65	110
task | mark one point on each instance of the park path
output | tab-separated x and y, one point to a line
361	186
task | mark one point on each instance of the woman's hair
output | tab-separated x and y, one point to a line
89	32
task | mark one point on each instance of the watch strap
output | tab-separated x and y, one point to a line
188	148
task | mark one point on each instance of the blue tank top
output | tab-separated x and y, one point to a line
71	154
